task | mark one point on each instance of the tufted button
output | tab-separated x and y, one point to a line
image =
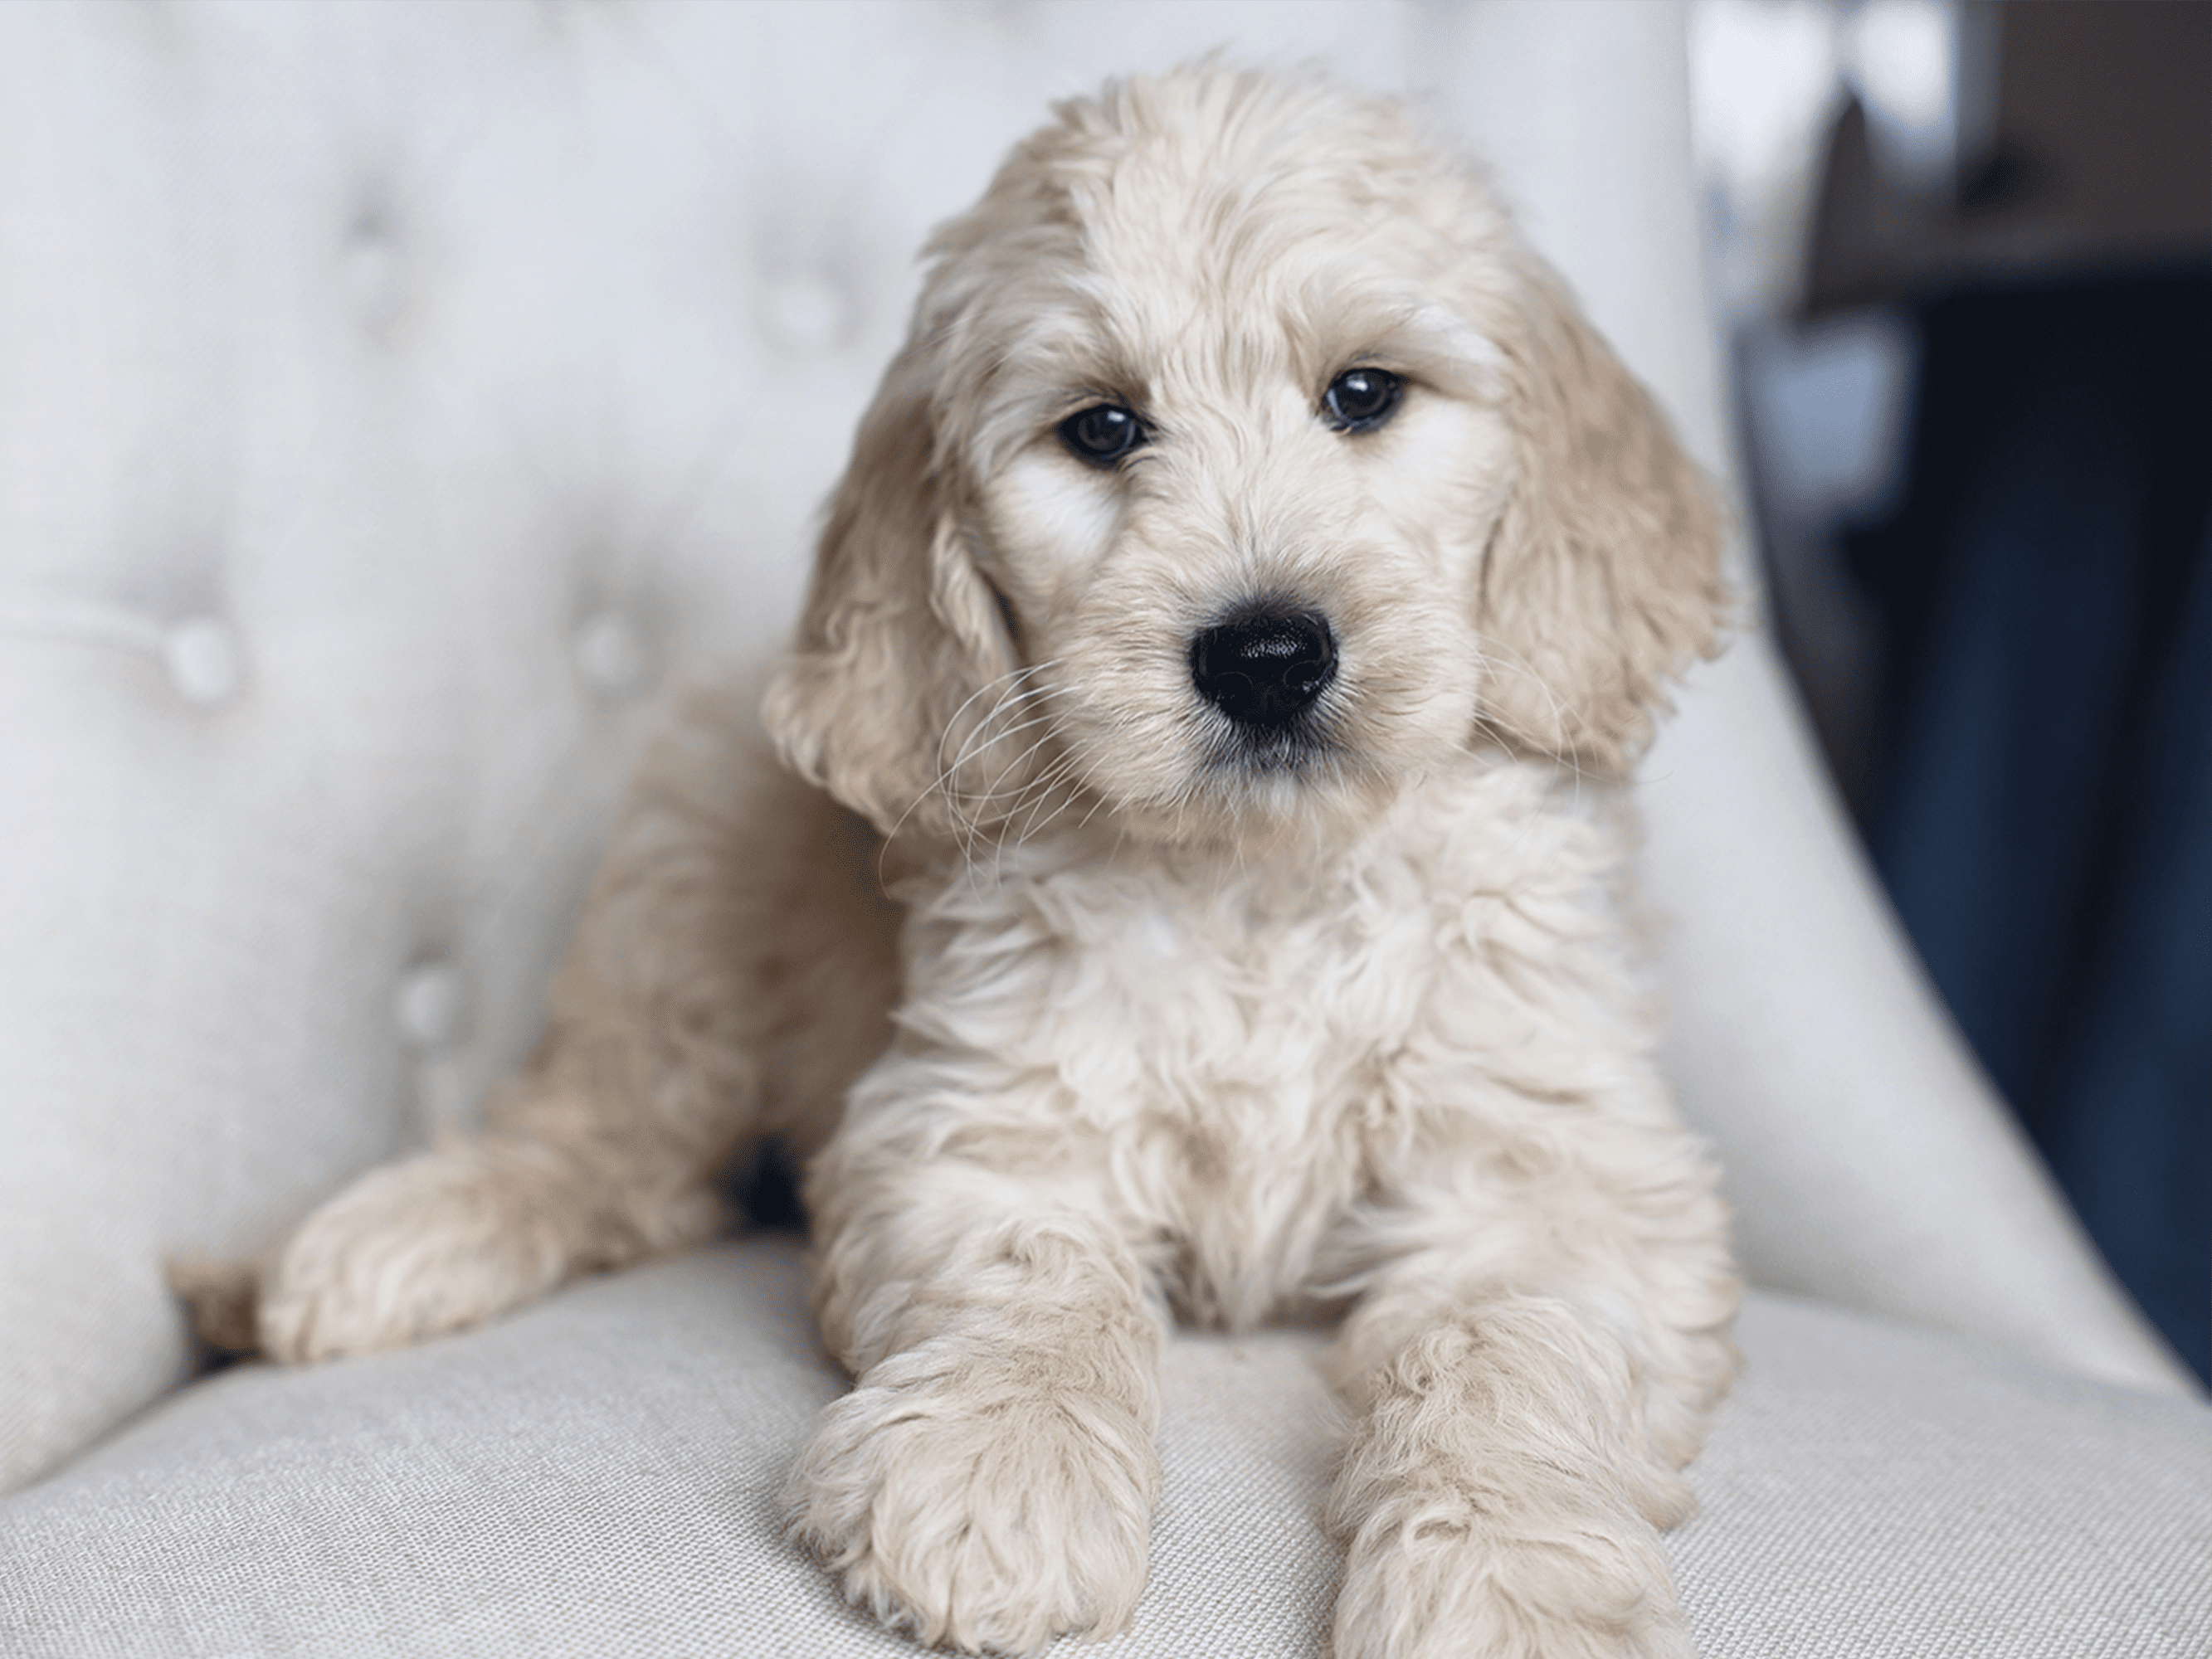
206	661
373	274
806	313
611	652
431	1006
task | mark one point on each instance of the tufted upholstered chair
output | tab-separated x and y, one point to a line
395	401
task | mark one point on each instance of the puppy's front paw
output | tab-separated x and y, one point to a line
968	1503
1438	1578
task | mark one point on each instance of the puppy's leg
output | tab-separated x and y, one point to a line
733	973
1520	1407
989	1482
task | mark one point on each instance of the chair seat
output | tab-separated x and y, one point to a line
597	1476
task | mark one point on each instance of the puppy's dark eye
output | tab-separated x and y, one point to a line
1102	434
1361	399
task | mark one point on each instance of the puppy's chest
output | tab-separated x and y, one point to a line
1243	1040
1150	995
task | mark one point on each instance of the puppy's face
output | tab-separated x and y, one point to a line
1235	464
1249	468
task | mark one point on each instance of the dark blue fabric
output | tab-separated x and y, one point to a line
2041	807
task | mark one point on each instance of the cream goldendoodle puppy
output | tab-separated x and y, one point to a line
1246	579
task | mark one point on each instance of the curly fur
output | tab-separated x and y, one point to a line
1156	1026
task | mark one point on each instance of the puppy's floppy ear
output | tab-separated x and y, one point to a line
1602	578
900	631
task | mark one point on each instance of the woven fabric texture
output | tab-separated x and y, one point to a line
1876	1490
598	1477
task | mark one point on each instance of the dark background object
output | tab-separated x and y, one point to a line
2040	807
2026	725
2100	155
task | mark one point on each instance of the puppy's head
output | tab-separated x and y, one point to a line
1243	465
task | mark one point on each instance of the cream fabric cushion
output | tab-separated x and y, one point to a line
597	1476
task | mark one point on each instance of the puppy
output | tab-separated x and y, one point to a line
1246	580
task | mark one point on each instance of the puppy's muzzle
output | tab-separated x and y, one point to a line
1264	665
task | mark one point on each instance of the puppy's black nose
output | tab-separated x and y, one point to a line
1262	664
